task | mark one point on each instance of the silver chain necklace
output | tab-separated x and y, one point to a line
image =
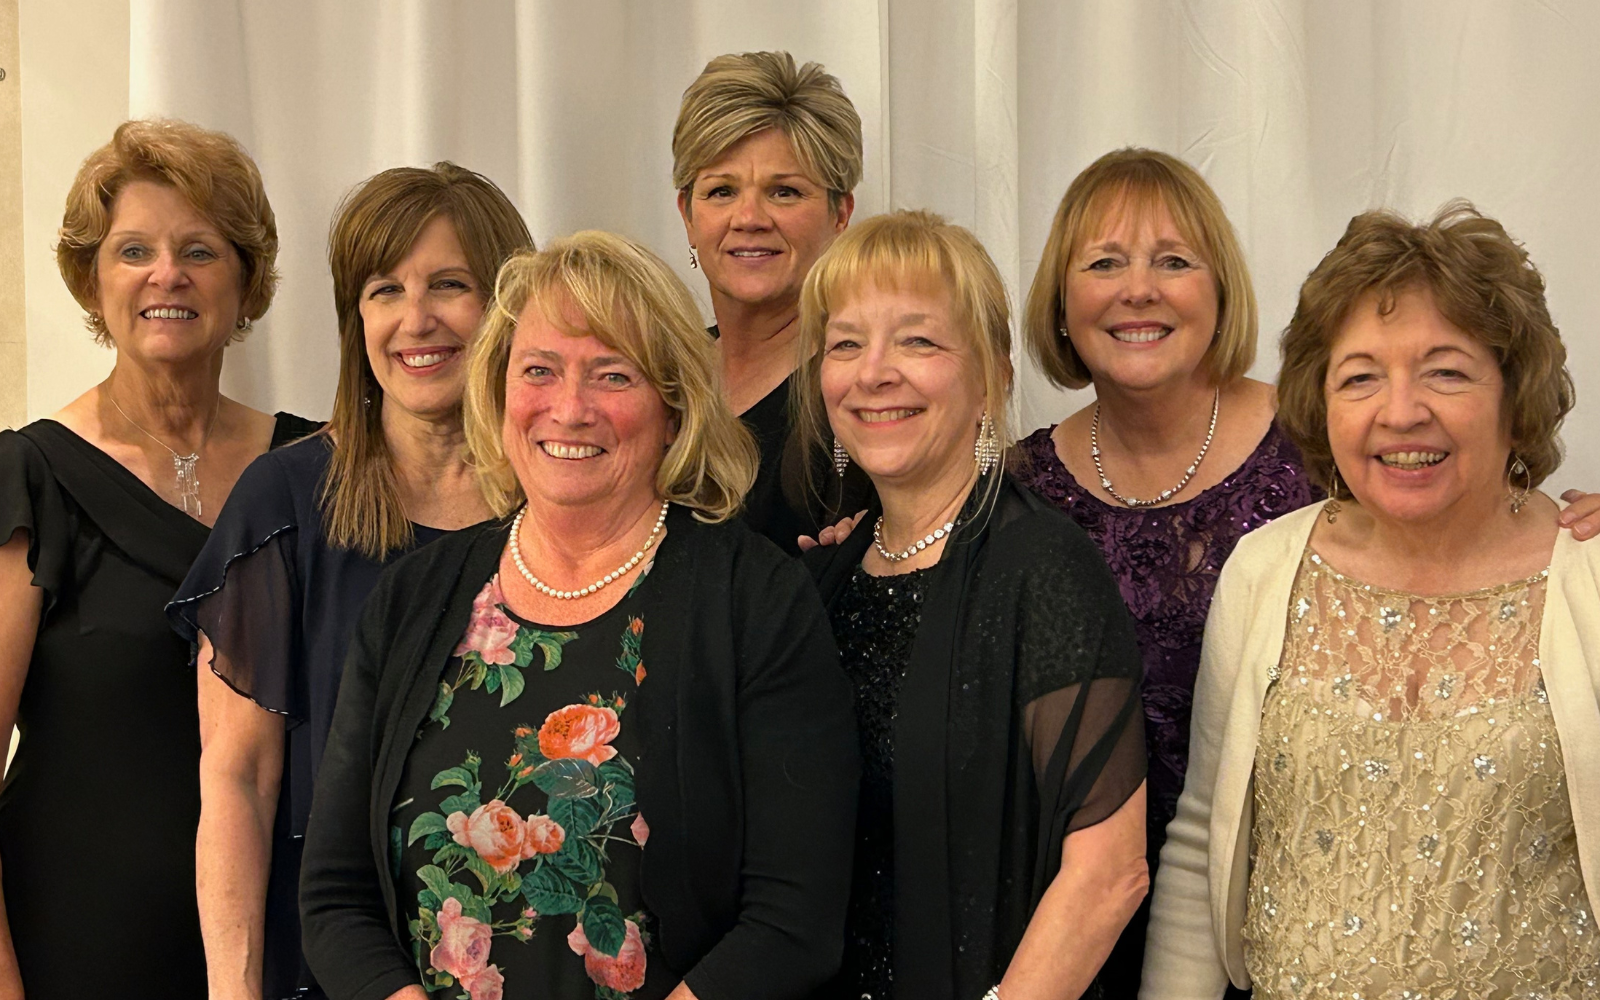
914	547
183	466
611	577
1094	452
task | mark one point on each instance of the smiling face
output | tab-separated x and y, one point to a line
169	283
582	424
758	222
417	320
1141	302
1415	411
901	384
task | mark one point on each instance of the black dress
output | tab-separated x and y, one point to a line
1016	722
875	620
777	505
278	604
100	806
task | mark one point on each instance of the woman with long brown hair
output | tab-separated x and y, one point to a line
273	598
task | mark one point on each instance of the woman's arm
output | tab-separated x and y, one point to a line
21	603
1102	880
241	767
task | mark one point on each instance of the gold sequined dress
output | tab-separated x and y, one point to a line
1413	836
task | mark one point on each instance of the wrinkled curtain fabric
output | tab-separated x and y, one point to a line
1300	113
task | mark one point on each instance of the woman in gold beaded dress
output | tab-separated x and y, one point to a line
1394	779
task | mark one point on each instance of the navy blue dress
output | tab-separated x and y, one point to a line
278	604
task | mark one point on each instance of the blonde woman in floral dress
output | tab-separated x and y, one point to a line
605	749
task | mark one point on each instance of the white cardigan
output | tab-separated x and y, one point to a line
1194	946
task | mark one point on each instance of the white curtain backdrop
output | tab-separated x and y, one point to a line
1300	113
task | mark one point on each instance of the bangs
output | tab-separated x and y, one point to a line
1138	197
561	288
888	263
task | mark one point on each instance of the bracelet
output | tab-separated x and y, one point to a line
993	994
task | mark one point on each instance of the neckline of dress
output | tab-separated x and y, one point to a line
141	489
1478	593
1227	480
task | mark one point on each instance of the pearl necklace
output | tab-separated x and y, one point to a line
1094	452
914	548
595	587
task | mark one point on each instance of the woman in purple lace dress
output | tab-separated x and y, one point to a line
1143	292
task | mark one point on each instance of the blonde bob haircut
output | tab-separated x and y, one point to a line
736	96
633	303
907	249
208	168
374	230
1141	181
1481	281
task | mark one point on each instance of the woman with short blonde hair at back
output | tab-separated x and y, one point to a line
765	156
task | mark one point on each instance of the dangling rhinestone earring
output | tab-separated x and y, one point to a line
1331	509
986	450
841	458
1519	494
694	261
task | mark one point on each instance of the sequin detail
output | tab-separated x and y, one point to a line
875	621
1418	740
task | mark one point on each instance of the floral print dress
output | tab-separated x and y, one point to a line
515	836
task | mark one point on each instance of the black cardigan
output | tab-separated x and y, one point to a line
1018	722
749	770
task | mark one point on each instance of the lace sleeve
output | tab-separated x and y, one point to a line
243	592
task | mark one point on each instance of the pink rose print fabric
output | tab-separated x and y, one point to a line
522	863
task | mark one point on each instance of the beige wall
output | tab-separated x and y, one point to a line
66	89
13	328
75	64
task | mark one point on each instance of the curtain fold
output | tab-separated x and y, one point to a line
1300	114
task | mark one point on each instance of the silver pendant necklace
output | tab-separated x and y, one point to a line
184	467
1094	452
568	595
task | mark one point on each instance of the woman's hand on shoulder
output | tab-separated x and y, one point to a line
1582	513
833	534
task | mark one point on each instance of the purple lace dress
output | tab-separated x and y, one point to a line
1166	561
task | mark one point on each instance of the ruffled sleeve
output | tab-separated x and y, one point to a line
243	591
31	501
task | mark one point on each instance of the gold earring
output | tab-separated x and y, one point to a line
1331	509
694	261
1519	494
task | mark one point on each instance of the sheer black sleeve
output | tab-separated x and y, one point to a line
1078	675
243	591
